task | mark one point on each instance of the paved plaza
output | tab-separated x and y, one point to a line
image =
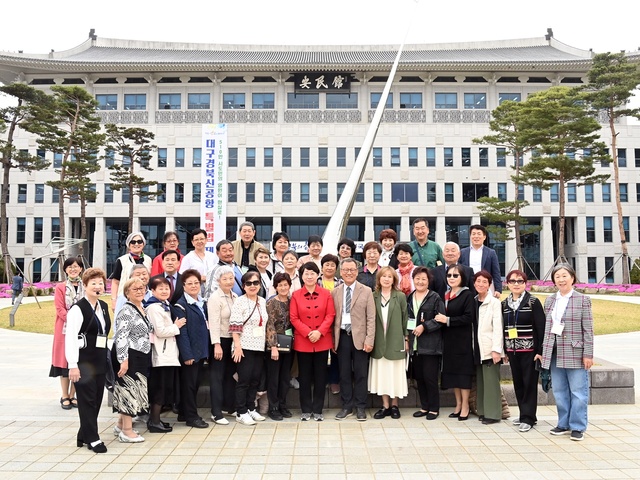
37	438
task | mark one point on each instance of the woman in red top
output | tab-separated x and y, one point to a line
312	314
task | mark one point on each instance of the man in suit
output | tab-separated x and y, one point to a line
170	264
480	257
224	250
451	253
354	332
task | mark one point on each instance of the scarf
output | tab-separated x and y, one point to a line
71	295
137	258
405	277
514	304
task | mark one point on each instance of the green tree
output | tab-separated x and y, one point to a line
72	129
19	116
134	146
557	123
508	132
612	80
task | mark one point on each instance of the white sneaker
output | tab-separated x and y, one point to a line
220	421
516	421
524	427
256	416
124	439
245	419
318	417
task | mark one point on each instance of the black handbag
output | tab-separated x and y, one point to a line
284	343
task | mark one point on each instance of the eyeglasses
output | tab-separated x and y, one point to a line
516	282
453	275
138	289
136	242
254	283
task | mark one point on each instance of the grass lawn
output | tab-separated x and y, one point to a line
609	316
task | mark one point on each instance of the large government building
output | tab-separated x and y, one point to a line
296	118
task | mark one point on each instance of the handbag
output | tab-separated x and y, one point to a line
284	343
82	341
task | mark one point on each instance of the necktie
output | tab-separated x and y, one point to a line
171	286
347	307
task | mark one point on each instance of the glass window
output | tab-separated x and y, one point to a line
38	226
404	192
199	101
637	157
591	229
607	229
431	192
55	195
304	192
572	196
395	157
431	157
446	100
342	100
251	157
197	157
21	229
179	192
268	157
448	157
471	192
323	157
107	101
323	192
622	157
304	156
232	192
179	157
135	101
377	157
638	192
301	101
196	189
410	100
286	157
339	190
608	268
625	227
515	97
250	192
109	158
588	193
360	194
233	157
537	194
502	191
22	193
592	272
501	157
554	193
286	193
39	198
37	270
233	101
475	101
378	196
57	160
466	156
375	100
341	157
606	192
624	192
267	192
124	195
413	157
144	198
263	101
483	156
55	226
162	157
448	192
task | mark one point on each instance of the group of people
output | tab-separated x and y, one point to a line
261	318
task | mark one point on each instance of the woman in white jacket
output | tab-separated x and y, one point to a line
489	349
163	383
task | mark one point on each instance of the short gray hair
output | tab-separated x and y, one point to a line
247	224
221	271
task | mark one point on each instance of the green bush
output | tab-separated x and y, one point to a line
635	272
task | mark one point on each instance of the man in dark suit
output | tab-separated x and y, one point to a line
354	332
480	257
451	253
170	264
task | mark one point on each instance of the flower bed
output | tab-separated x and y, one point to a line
40	288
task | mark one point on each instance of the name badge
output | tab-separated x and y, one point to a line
557	328
411	324
257	332
513	332
101	341
289	332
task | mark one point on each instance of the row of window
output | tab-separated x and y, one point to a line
606	228
260	101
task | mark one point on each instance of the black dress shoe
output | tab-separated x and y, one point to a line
432	416
420	413
383	412
462	419
361	414
454	414
181	418
198	423
395	412
274	414
490	421
166	424
481	418
158	428
344	413
79	443
286	413
99	448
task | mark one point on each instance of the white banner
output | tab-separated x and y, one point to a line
213	200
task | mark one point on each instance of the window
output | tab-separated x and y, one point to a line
466	157
360	194
431	192
342	100
109	158
198	101
501	157
588	193
37	270
21	229
446	100
135	101
572	196
162	157
108	193
638	192
300	101
250	192
196	189
625	228
197	157
608	269
39	198
107	102
624	192
431	157
471	192
606	192
55	195
537	194
404	192
232	192
286	157
515	97
378	195
233	157
413	157
475	101
267	192
554	193
57	160
233	101
395	157
263	101
323	157
502	191
55	226
592	272
622	157
607	229
304	156
268	157
286	193
144	198
251	157
339	190
377	157
375	100
22	193
341	157
448	192
40	153
304	192
125	195
410	100
591	229
448	157
179	192
161	189
637	156
483	156
38	225
323	192
179	157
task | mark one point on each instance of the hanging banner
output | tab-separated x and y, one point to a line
213	199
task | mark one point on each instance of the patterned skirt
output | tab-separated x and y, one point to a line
130	394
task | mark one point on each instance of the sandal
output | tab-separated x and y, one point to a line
74	402
65	403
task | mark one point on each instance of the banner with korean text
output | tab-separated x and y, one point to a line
213	201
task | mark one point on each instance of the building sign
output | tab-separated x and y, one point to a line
322	82
213	198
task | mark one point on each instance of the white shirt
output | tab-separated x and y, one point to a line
204	266
560	306
346	317
475	258
74	324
